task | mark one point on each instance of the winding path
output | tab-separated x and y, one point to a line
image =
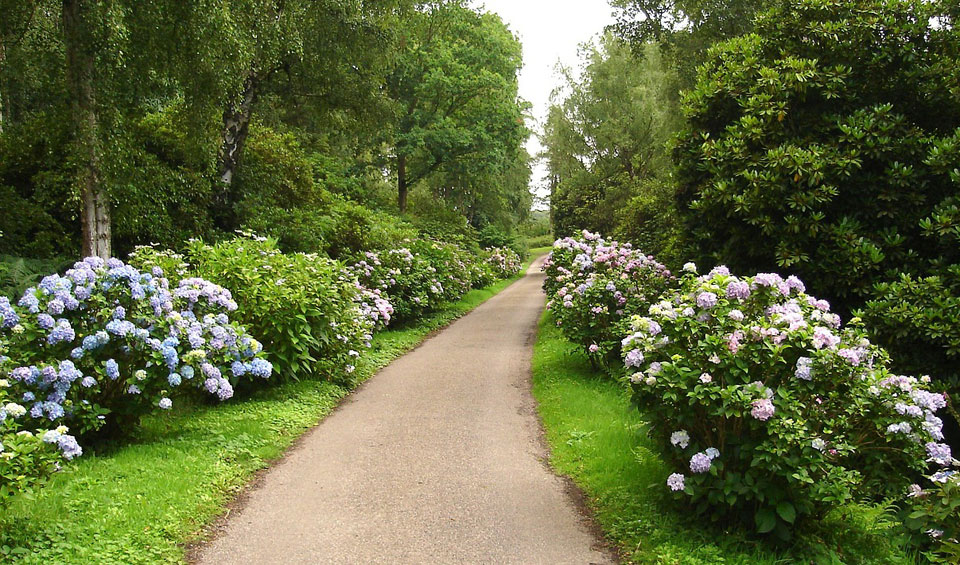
437	459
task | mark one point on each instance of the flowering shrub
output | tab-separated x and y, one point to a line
935	511
503	262
313	316
767	407
27	459
418	278
105	343
594	286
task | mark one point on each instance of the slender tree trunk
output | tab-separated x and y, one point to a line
95	216
236	124
233	136
402	182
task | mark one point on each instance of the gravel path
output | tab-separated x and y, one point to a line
437	459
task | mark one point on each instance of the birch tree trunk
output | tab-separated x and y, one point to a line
95	215
236	124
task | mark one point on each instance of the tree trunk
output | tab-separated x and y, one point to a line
95	216
402	183
233	135
236	123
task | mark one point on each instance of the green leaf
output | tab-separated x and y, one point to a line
787	512
766	520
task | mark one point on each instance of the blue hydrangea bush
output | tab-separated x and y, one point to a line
595	286
105	343
311	314
27	458
767	407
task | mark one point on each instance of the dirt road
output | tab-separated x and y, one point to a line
436	459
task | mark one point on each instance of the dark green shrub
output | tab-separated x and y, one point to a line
810	143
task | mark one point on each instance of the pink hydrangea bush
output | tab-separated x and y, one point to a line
503	262
595	285
767	407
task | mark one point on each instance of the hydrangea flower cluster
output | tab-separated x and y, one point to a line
27	458
595	286
308	311
417	278
503	262
104	342
741	373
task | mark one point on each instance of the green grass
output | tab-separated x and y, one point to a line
141	502
598	439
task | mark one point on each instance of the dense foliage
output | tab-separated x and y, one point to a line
309	315
819	143
595	286
770	410
606	149
280	118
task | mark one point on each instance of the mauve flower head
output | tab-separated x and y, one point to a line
804	368
939	453
706	300
594	348
763	409
680	438
720	270
700	463
824	338
633	358
675	482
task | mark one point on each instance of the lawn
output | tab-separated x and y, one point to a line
598	439
143	501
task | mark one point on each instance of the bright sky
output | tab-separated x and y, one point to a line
551	31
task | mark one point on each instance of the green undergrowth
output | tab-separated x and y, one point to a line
141	502
598	439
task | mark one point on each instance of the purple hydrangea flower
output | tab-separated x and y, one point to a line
634	358
763	409
700	463
675	482
738	290
939	453
706	300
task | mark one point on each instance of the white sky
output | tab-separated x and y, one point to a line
551	31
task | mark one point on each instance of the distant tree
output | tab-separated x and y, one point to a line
606	141
454	85
685	28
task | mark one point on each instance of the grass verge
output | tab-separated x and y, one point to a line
143	501
598	439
